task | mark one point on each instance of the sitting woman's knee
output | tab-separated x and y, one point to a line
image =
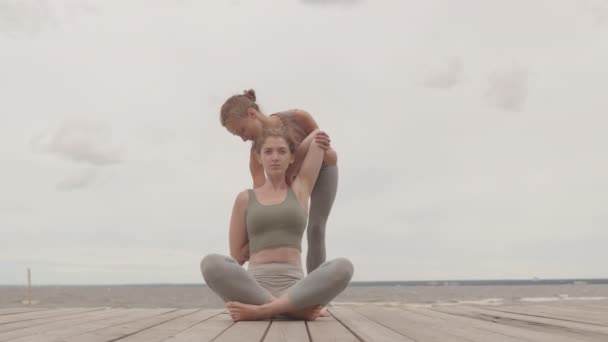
211	264
343	271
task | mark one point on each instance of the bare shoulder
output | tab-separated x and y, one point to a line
242	199
301	114
304	119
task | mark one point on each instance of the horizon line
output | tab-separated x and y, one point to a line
534	280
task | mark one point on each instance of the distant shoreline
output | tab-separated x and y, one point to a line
385	283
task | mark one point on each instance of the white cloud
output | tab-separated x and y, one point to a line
508	89
30	17
599	10
446	75
87	142
79	180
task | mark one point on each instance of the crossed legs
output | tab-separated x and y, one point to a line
248	300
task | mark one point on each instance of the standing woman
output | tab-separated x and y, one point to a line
242	117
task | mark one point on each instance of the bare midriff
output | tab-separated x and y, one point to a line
279	254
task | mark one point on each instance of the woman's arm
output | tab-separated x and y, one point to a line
256	169
238	228
322	139
308	123
309	171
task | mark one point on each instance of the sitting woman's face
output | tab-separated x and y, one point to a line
275	155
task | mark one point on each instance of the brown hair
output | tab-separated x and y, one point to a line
279	132
236	106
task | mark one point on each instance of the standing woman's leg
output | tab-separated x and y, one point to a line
321	202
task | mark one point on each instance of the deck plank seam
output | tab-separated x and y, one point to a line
222	332
266	331
496	320
97	319
549	317
206	319
528	324
443	319
308	331
64	315
503	334
24	312
389	328
135	319
373	320
564	329
347	327
154	325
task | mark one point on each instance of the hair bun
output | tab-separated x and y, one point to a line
250	94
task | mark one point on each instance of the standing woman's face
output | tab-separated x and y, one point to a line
244	128
247	128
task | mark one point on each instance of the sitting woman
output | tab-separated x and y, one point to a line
268	223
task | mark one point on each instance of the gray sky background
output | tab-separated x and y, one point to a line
471	134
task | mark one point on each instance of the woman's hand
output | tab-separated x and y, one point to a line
243	254
322	139
319	138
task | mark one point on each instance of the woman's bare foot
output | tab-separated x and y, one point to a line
308	314
245	312
323	313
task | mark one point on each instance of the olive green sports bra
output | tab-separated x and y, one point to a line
275	225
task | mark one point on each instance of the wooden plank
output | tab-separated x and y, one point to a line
26	328
364	328
45	320
36	315
254	331
171	328
282	330
594	304
12	311
123	330
426	328
582	331
587	307
64	332
205	331
559	312
518	333
534	322
327	329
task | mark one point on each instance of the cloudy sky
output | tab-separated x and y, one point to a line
471	134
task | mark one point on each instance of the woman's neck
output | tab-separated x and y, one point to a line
267	120
276	183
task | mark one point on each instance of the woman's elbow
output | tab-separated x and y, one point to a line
331	157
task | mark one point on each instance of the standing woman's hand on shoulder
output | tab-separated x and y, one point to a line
306	121
323	140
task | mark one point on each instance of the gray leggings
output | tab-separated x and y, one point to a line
262	282
321	201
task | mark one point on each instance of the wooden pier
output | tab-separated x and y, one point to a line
553	322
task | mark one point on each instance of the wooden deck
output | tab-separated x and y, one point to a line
555	322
